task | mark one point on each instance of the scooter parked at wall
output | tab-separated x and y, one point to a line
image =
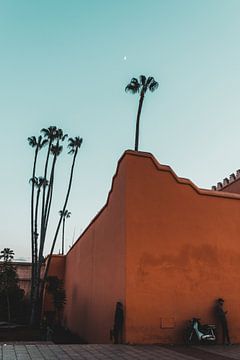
198	333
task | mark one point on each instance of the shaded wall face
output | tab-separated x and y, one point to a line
24	273
57	268
182	252
233	187
95	271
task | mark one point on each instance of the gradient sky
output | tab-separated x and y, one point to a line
62	63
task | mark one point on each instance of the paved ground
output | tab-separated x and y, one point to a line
50	351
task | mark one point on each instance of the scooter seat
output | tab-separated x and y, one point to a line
212	326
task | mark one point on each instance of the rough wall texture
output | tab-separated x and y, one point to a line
182	253
95	270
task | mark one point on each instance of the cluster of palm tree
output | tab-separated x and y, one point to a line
41	203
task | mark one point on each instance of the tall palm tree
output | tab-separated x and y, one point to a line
65	215
49	135
74	145
52	134
140	87
38	144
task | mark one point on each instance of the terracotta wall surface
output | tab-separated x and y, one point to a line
182	253
95	270
163	247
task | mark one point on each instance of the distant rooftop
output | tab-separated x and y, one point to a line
224	184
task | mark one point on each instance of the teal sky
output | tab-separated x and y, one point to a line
62	63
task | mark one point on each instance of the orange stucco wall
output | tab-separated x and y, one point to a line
163	247
95	270
182	252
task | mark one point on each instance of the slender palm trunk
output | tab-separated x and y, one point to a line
42	232
36	232
35	297
138	121
61	218
8	306
32	222
49	197
63	233
48	209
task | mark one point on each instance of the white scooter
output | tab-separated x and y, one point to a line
197	333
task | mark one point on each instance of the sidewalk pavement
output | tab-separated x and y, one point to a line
48	351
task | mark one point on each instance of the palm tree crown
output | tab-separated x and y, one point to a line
65	214
7	254
74	144
141	87
37	142
50	133
39	181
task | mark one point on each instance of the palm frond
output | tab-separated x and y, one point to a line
134	80
149	80
142	79
44	131
153	85
32	141
33	180
133	86
132	89
60	135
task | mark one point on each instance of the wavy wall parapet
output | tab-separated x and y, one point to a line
185	181
159	167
